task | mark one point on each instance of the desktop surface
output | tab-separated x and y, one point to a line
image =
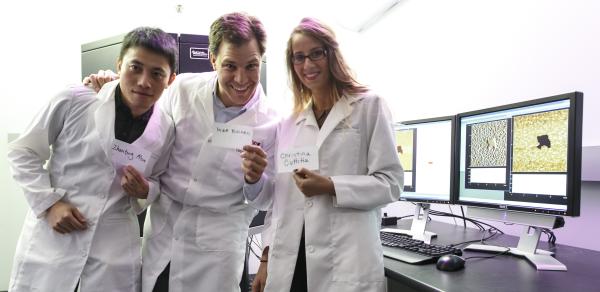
502	273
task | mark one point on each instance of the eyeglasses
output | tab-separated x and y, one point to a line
314	55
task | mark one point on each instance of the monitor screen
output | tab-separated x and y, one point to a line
524	156
425	149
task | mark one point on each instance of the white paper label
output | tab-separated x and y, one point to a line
124	154
231	136
296	158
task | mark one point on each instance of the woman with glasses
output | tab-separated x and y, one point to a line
322	233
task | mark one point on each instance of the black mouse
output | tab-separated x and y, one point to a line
450	263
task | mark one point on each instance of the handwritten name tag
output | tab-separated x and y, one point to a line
124	154
231	136
295	158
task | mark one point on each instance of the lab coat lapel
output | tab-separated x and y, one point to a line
104	117
341	109
204	97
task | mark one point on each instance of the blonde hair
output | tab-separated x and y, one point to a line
342	79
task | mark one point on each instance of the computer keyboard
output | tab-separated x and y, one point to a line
403	248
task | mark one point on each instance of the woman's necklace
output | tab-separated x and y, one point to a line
322	117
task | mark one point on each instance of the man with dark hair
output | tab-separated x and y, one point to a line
104	153
196	235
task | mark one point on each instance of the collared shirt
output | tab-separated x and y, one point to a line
127	127
225	114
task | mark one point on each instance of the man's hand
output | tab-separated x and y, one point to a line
254	162
134	183
311	183
65	218
96	81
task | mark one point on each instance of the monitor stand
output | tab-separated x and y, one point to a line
417	229
527	246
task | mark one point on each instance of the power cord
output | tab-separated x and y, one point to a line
490	256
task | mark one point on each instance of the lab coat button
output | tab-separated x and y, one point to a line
195	180
309	204
310	248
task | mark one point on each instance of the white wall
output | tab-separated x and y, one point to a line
426	57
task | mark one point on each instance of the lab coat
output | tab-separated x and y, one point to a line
200	222
357	150
79	126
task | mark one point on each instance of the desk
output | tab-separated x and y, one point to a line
502	273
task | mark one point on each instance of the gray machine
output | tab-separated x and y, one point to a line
193	55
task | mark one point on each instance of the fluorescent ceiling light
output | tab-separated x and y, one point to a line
360	15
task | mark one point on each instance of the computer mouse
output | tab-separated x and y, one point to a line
450	263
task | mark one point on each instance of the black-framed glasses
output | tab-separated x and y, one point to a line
314	55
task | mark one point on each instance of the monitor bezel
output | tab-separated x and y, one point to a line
573	154
452	119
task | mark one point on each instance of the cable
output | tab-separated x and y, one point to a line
450	208
463	215
490	256
493	232
551	236
249	245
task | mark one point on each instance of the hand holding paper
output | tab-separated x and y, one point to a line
254	162
312	183
134	183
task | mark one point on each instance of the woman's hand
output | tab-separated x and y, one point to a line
311	183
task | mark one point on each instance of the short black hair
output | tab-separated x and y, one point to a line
154	40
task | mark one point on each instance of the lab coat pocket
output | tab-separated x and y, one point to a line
114	262
37	261
341	154
357	252
222	232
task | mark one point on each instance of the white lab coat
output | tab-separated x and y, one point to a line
343	250
200	222
79	126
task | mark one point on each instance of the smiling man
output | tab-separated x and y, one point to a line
82	225
198	226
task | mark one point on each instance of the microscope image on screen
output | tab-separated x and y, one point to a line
533	150
488	144
405	139
487	154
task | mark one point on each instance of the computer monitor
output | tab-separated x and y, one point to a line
521	163
426	151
